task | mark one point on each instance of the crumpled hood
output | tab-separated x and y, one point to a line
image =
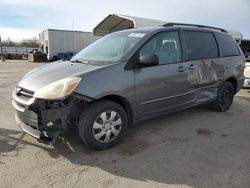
52	72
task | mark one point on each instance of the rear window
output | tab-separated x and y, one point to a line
227	44
201	45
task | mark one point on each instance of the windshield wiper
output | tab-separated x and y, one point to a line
79	61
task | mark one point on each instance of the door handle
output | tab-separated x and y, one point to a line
181	69
191	67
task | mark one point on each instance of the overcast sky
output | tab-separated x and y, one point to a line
26	18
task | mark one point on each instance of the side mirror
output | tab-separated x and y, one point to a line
149	60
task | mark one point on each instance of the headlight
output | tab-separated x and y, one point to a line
58	89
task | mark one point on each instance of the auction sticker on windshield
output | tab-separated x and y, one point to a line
137	35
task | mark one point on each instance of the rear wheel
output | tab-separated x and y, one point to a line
225	97
102	124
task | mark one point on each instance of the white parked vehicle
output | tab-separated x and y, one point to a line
247	74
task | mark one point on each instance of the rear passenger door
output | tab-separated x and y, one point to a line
204	68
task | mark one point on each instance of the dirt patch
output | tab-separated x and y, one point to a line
132	147
224	135
177	140
204	132
108	183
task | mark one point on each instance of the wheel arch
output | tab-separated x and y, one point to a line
124	103
233	81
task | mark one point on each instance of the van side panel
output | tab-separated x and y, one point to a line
232	58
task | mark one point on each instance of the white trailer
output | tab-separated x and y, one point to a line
56	43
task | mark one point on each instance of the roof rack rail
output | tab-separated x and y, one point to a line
170	24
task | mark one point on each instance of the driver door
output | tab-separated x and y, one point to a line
165	86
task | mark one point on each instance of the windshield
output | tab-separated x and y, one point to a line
110	48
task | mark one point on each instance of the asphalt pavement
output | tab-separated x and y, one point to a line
192	148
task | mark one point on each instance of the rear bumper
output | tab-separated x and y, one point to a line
240	83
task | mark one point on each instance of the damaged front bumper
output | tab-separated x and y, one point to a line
44	119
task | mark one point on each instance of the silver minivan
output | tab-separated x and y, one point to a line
130	76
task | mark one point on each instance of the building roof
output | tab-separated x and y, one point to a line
117	22
62	30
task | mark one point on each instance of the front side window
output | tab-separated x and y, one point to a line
201	45
165	45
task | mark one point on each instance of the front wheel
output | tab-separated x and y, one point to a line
102	124
224	98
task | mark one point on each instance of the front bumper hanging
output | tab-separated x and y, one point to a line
44	120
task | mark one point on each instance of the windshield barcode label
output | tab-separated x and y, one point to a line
137	35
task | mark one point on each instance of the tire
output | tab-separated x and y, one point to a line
102	124
224	98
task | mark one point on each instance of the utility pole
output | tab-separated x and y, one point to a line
2	58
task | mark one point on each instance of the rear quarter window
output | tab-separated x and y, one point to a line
227	44
201	45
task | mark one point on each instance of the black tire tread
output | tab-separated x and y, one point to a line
216	104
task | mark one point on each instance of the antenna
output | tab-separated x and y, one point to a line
73	23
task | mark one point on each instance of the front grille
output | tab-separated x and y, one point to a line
22	98
23	93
